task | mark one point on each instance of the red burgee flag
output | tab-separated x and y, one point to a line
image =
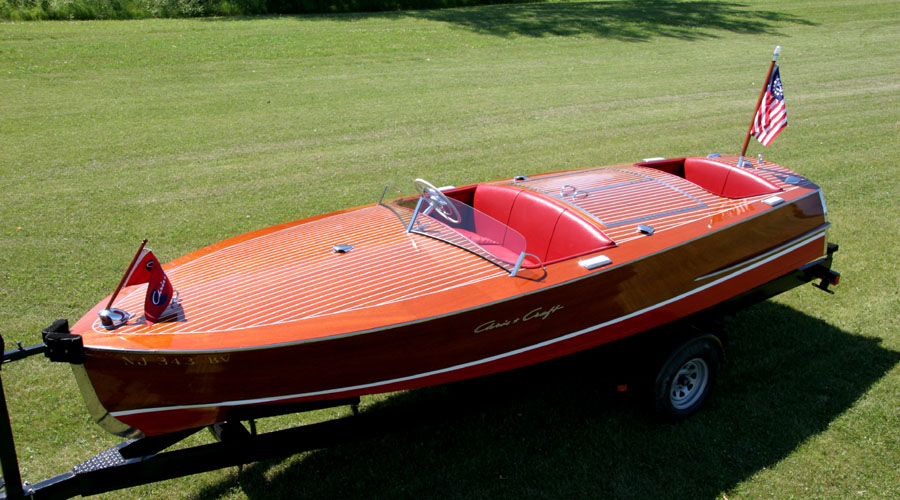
140	272
771	116
159	293
159	289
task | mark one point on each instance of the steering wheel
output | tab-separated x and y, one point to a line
438	201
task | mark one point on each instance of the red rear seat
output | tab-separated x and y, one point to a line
741	184
726	180
708	174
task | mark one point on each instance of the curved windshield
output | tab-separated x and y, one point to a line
463	226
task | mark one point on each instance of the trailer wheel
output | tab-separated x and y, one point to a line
687	377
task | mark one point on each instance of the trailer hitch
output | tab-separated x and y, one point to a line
829	278
824	273
61	345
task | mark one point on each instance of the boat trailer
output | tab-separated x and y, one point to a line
145	460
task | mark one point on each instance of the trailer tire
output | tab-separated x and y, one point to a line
687	377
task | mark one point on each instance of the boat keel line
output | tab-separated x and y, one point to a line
771	256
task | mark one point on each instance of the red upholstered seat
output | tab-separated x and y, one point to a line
708	174
495	201
726	180
535	218
551	232
741	184
574	236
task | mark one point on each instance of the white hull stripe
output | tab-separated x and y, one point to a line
785	249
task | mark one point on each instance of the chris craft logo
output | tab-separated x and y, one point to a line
158	296
538	313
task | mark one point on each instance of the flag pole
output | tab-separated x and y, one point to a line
105	318
758	103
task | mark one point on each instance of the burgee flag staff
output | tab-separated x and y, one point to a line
109	317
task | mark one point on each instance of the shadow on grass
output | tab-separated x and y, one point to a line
629	20
626	20
553	431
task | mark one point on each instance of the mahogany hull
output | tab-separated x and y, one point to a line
654	281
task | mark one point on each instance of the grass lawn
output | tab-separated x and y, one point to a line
190	131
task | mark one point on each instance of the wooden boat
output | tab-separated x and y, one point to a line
449	284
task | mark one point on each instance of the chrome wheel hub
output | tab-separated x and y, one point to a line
689	384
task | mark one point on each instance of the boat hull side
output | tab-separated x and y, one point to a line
159	392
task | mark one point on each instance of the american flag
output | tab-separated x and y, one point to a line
771	116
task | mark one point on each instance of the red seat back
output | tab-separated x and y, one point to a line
708	174
535	218
574	236
741	184
495	201
551	231
726	180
